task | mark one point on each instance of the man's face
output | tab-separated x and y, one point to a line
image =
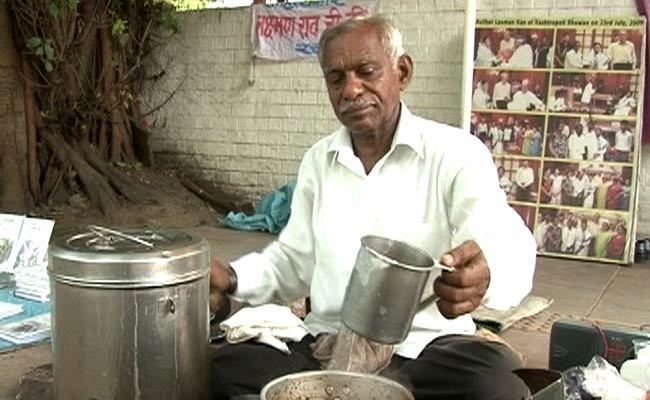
363	84
622	37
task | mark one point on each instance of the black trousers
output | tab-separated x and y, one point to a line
454	367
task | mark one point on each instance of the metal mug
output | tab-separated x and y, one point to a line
384	291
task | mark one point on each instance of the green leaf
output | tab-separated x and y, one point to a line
73	4
55	10
48	66
34	42
39	51
49	51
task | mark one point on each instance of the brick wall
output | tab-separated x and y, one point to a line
12	118
245	127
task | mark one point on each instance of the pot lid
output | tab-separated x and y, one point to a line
135	257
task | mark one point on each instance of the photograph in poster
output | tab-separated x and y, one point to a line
557	102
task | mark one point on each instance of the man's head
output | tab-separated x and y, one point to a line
622	36
524	164
625	125
583	224
598	47
576	45
365	69
506	35
566	37
599	131
503	76
578	129
524	85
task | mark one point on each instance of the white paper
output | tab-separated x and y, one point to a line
32	245
28	330
10	226
9	310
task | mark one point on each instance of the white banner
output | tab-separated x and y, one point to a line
288	31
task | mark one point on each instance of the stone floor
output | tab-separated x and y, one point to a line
580	290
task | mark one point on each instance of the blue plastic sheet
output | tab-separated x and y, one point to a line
271	214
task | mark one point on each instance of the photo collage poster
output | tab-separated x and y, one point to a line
559	105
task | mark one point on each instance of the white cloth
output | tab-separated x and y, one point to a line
506	46
587	92
583	240
435	188
625	106
591	141
521	101
482	127
596	61
576	145
580	185
569	237
603	147
559	104
480	99
622	53
556	189
623	141
268	324
524	177
522	57
501	91
573	60
590	191
507	134
484	56
505	184
540	232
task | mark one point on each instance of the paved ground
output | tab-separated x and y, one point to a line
606	293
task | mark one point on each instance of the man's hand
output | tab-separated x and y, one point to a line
462	290
223	281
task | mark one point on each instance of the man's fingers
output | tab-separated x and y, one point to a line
453	310
453	293
472	274
459	256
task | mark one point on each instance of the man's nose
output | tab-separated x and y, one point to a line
353	87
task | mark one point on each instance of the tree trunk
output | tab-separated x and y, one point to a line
30	123
12	193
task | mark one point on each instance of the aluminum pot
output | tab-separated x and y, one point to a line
130	316
334	385
385	288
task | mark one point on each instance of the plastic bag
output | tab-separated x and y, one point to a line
599	380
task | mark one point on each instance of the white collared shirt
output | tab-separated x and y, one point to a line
522	100
623	140
435	188
622	53
501	91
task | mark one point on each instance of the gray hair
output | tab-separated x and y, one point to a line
390	36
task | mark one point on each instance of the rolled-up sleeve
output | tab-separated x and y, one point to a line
477	210
282	272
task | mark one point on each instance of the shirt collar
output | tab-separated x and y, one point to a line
407	134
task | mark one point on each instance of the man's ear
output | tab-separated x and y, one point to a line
405	71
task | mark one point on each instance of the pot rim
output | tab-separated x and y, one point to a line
309	374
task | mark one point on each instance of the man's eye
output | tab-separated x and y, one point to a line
334	78
366	71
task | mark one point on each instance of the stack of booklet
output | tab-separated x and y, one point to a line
29	330
23	253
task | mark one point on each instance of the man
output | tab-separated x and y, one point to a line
588	91
481	98
504	181
573	58
591	139
577	144
562	48
506	47
541	54
523	54
540	232
501	92
569	237
524	179
584	239
596	59
553	236
626	104
623	143
603	145
556	187
580	183
525	100
389	173
622	53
